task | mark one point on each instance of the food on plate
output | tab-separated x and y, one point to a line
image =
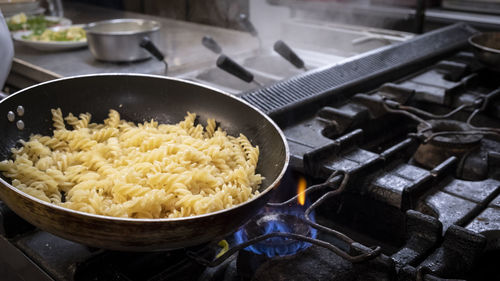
68	34
37	24
146	170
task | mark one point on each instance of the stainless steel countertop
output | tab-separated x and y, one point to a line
320	44
179	40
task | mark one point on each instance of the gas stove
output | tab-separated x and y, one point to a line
400	152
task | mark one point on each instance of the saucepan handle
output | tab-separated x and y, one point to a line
287	53
211	44
227	64
149	46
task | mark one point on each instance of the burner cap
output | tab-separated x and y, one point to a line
262	224
452	139
440	148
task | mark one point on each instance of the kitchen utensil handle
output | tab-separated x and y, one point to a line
149	46
232	67
247	25
211	44
287	53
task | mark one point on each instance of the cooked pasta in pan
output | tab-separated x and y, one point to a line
146	170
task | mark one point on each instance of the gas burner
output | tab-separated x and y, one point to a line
280	218
275	221
275	248
288	229
453	135
445	138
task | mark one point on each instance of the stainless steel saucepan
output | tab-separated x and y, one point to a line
486	48
124	40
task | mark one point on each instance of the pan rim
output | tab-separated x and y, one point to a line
155	26
480	46
159	220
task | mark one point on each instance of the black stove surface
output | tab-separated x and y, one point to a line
424	145
419	144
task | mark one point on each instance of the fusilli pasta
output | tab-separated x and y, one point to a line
147	170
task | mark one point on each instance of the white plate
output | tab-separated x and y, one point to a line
49	46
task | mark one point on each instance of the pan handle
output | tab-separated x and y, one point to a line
211	44
149	46
227	64
230	66
287	53
247	25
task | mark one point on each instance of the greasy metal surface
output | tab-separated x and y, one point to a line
448	208
455	191
457	254
11	224
140	98
487	223
480	192
422	234
390	185
328	267
17	266
54	254
316	263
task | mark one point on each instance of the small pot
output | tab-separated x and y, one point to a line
120	40
486	48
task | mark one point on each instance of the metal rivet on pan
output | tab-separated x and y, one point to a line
20	124
11	116
20	110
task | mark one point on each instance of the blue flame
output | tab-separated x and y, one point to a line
277	246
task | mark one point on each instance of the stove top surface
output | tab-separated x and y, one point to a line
403	176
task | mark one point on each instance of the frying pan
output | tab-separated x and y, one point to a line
486	47
139	98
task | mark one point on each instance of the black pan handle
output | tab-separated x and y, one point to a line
287	53
211	44
247	25
232	67
149	46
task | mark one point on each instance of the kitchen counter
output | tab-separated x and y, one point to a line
318	43
179	40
